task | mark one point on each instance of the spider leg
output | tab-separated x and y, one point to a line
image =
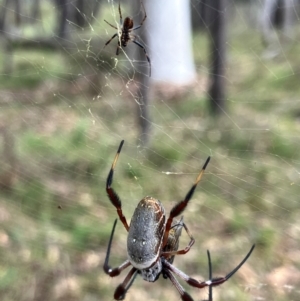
120	13
145	17
167	254
220	280
148	59
107	269
114	198
173	242
123	288
111	25
142	4
173	239
130	283
136	27
210	296
183	294
211	282
141	24
179	207
110	39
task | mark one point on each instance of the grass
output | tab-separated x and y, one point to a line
65	141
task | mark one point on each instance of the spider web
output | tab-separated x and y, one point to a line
67	102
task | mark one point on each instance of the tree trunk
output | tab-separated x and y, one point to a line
218	56
79	14
143	80
169	33
36	10
64	14
277	14
18	13
3	16
199	14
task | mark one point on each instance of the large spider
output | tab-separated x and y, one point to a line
153	241
125	34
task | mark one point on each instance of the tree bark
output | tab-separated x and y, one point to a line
169	32
199	14
17	13
3	16
64	9
218	56
36	10
143	80
277	14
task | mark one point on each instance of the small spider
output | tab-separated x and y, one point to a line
125	35
153	241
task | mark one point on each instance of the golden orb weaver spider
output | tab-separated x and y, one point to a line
125	35
152	242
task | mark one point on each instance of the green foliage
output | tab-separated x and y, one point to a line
8	277
266	238
32	68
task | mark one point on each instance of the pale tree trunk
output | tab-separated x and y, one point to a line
169	34
166	35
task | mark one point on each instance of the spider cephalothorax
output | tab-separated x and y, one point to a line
153	241
125	34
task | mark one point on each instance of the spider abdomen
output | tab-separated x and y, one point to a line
127	26
128	23
145	234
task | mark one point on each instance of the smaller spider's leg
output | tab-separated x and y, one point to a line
120	13
110	40
147	57
111	25
183	294
107	269
114	198
173	241
142	4
179	207
141	24
122	289
167	254
136	27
